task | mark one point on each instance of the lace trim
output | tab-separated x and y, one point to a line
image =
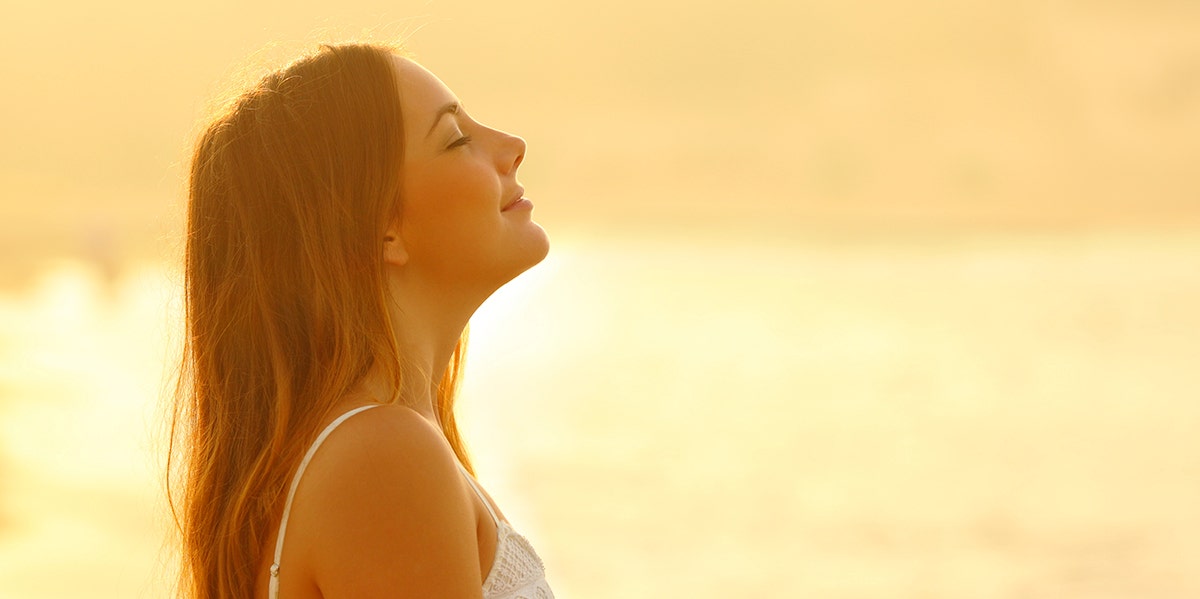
517	571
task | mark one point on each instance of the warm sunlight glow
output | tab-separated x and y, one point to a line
844	299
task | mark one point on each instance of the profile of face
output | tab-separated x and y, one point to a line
459	176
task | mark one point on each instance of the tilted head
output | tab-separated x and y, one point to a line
459	176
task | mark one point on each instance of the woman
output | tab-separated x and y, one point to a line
345	219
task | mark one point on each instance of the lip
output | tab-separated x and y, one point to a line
521	204
518	196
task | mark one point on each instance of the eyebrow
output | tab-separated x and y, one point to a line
451	108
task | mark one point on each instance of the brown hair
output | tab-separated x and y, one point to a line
292	186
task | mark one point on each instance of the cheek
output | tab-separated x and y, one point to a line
455	198
450	213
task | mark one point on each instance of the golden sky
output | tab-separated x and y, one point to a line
745	117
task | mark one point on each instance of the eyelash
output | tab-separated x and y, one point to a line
461	141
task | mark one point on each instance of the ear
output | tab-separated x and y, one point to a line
394	252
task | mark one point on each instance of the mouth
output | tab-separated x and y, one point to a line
514	199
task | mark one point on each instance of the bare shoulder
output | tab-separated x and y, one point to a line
389	433
386	513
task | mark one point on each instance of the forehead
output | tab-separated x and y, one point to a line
421	93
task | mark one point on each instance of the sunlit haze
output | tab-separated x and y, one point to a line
844	299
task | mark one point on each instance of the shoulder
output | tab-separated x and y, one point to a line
391	433
380	447
386	510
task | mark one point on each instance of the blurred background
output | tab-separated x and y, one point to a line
845	299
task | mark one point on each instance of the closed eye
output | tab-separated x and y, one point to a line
462	141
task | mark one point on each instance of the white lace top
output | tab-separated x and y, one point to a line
516	573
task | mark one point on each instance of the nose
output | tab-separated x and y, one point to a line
514	153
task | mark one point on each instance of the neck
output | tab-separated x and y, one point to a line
426	333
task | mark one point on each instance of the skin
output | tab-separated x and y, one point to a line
383	509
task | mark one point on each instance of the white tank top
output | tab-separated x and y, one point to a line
517	571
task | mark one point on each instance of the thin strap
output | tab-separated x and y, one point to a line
471	479
273	590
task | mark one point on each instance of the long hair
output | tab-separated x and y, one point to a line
291	189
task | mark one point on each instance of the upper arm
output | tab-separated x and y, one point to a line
391	518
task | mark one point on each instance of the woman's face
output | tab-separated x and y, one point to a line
459	175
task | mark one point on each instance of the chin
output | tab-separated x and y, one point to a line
534	248
543	243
